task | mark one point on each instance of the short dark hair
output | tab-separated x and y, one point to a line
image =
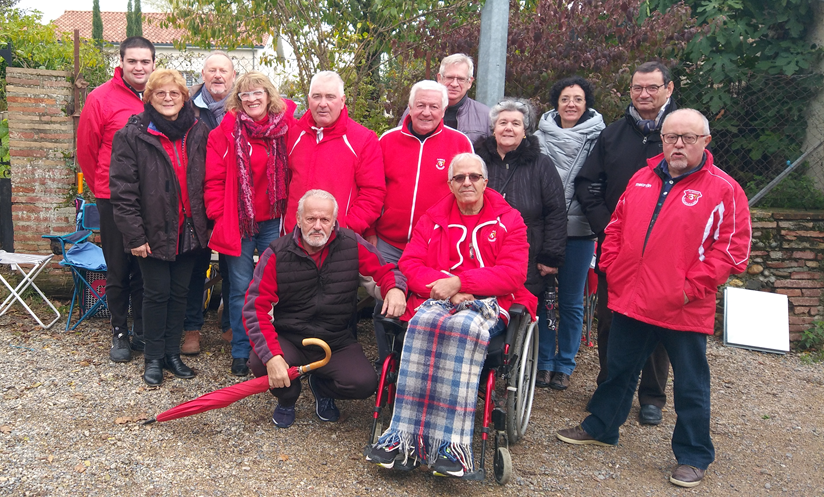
136	42
557	88
652	66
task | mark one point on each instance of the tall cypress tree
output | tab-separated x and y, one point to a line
97	24
129	20
137	19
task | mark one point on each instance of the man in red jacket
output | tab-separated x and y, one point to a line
416	156
678	231
106	111
329	151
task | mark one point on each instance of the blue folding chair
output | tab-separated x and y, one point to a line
81	257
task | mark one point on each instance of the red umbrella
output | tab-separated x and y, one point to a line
225	396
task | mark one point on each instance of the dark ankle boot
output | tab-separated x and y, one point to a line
175	365
153	372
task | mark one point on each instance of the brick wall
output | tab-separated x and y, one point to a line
787	250
42	154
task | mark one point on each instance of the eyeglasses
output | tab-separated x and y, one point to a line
566	100
251	95
687	138
460	178
448	79
651	90
161	95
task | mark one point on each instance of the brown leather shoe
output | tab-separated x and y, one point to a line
227	335
578	436
191	343
543	378
560	381
685	475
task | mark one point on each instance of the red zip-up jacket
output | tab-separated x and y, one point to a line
500	247
702	234
416	177
346	162
106	111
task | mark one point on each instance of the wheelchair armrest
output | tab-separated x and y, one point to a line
392	325
516	316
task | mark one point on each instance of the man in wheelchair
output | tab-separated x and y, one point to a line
466	265
304	287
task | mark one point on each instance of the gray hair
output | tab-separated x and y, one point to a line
218	52
512	105
327	76
428	84
457	58
693	111
466	156
317	194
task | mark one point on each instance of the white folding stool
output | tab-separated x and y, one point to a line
38	262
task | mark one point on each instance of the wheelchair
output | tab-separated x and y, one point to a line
511	357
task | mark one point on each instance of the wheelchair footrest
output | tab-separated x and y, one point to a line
478	475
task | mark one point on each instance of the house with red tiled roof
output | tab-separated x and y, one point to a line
188	62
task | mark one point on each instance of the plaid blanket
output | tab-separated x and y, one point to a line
437	389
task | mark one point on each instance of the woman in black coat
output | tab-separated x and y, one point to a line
156	180
530	183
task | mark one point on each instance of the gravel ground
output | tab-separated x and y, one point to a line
70	424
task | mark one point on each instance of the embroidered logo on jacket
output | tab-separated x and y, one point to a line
690	197
643	185
440	164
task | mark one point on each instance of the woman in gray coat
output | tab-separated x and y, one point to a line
567	134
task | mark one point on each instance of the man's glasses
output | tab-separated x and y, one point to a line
161	95
687	138
449	79
651	90
460	178
251	95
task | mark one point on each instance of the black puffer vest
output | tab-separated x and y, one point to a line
316	303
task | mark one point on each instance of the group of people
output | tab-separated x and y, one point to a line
446	220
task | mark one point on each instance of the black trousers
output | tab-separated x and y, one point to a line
348	375
164	303
123	278
654	374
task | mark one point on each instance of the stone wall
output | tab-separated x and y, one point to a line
787	250
42	154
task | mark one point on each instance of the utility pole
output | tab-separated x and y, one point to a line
491	71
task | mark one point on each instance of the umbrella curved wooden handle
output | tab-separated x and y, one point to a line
317	364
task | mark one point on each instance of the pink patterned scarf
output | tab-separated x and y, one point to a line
273	132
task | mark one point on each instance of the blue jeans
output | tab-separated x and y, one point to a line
571	279
194	302
631	343
241	270
225	292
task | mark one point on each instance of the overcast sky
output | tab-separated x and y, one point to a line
52	9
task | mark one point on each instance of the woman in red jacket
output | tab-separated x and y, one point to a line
245	189
156	182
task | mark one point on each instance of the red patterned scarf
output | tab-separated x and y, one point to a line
273	132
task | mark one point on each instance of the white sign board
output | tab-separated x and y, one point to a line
756	320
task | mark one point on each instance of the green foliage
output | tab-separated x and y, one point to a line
4	148
796	191
353	37
137	19
812	342
40	46
97	23
130	31
751	67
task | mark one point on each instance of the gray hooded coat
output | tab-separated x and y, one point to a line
568	148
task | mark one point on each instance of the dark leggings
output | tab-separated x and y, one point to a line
165	286
349	374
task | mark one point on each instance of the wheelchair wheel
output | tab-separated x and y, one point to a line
502	466
521	384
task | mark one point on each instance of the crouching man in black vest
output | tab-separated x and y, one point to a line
304	287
